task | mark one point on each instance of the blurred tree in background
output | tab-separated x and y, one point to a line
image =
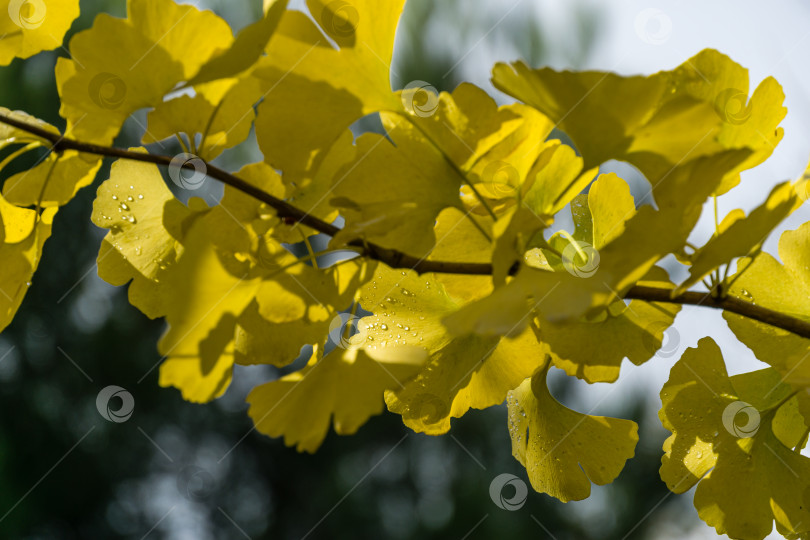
178	470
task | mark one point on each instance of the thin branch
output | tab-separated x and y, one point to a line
391	257
397	259
730	304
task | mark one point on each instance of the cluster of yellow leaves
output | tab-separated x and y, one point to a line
454	177
738	438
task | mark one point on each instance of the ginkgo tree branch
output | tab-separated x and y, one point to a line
284	210
398	259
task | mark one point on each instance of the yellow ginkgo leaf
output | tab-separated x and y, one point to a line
8	132
133	205
700	108
121	65
592	348
504	174
54	181
513	233
23	233
782	287
593	282
400	212
729	434
555	180
743	235
297	307
461	373
246	49
463	125
55	178
344	387
565	451
221	113
149	230
506	166
29	27
458	239
206	301
364	33
316	91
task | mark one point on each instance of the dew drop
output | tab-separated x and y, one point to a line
115	197
124	206
130	198
383	327
140	197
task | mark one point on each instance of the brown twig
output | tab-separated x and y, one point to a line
398	259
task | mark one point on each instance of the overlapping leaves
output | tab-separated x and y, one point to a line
453	178
737	438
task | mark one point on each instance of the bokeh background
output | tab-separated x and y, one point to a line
182	471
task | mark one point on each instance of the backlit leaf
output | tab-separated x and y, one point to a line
725	441
565	451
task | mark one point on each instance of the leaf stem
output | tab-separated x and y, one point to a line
312	257
17	153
